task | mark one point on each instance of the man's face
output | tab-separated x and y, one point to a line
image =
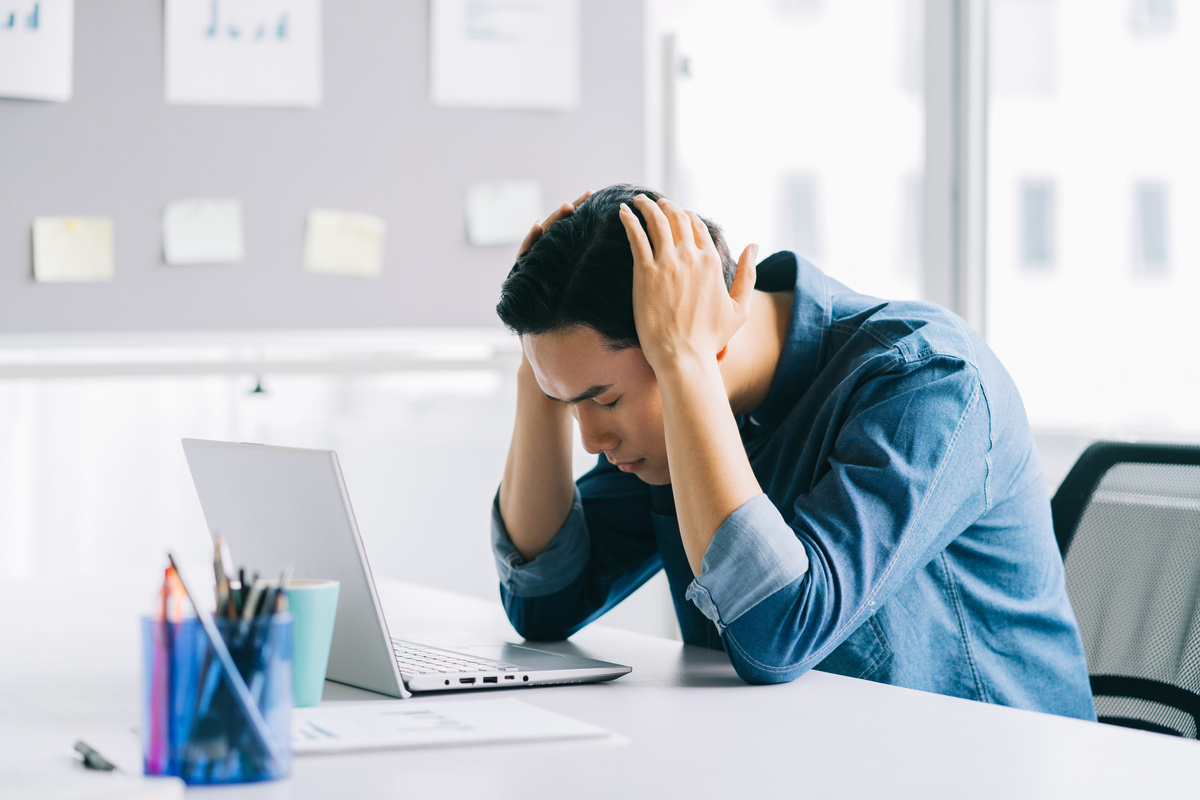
613	395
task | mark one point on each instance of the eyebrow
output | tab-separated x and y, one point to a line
587	395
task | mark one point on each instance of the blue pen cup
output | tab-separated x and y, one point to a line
192	725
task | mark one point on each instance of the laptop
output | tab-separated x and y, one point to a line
285	505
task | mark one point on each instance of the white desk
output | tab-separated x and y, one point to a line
687	727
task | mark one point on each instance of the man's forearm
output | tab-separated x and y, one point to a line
710	474
537	489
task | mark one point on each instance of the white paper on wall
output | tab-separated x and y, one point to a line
37	49
522	54
502	212
203	231
243	52
344	243
72	249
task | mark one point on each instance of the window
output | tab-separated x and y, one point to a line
1152	17
1150	228
798	123
1037	224
1092	282
798	204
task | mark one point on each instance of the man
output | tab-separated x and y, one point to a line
829	480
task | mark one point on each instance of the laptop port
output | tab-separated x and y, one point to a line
490	679
510	677
466	680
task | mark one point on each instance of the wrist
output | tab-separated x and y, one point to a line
682	362
688	371
530	391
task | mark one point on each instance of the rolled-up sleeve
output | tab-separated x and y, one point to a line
555	568
907	471
754	554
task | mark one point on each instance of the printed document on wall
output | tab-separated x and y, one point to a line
521	54
501	212
203	230
243	52
36	49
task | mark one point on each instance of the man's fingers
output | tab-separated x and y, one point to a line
681	224
700	232
743	281
534	234
638	243
565	210
657	224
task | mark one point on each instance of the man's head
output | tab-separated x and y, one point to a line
580	272
570	297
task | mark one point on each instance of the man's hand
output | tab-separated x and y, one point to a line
680	304
685	317
565	210
537	489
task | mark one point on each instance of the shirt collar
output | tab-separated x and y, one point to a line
808	329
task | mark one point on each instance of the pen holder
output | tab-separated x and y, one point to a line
192	724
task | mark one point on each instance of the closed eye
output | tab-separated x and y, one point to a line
613	404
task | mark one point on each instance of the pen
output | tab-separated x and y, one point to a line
242	585
273	592
92	759
249	602
220	560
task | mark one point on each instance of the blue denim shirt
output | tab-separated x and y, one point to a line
903	534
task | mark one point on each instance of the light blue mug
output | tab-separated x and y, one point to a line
313	604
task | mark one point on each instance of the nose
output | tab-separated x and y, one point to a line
595	431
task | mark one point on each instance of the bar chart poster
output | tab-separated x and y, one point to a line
37	39
243	52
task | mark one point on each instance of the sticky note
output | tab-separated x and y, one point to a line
344	243
502	212
203	231
72	249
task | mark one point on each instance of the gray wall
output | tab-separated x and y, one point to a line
375	145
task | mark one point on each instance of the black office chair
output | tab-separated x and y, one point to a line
1127	518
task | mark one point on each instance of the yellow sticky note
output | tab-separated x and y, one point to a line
344	243
72	249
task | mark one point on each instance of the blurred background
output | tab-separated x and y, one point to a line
1031	164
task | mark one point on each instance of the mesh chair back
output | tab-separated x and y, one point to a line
1128	524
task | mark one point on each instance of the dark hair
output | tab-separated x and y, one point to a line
580	272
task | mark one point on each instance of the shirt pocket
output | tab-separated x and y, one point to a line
864	654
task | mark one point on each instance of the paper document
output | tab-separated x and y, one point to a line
502	212
71	249
504	53
344	243
243	52
386	724
203	231
37	48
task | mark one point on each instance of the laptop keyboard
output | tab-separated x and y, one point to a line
417	660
